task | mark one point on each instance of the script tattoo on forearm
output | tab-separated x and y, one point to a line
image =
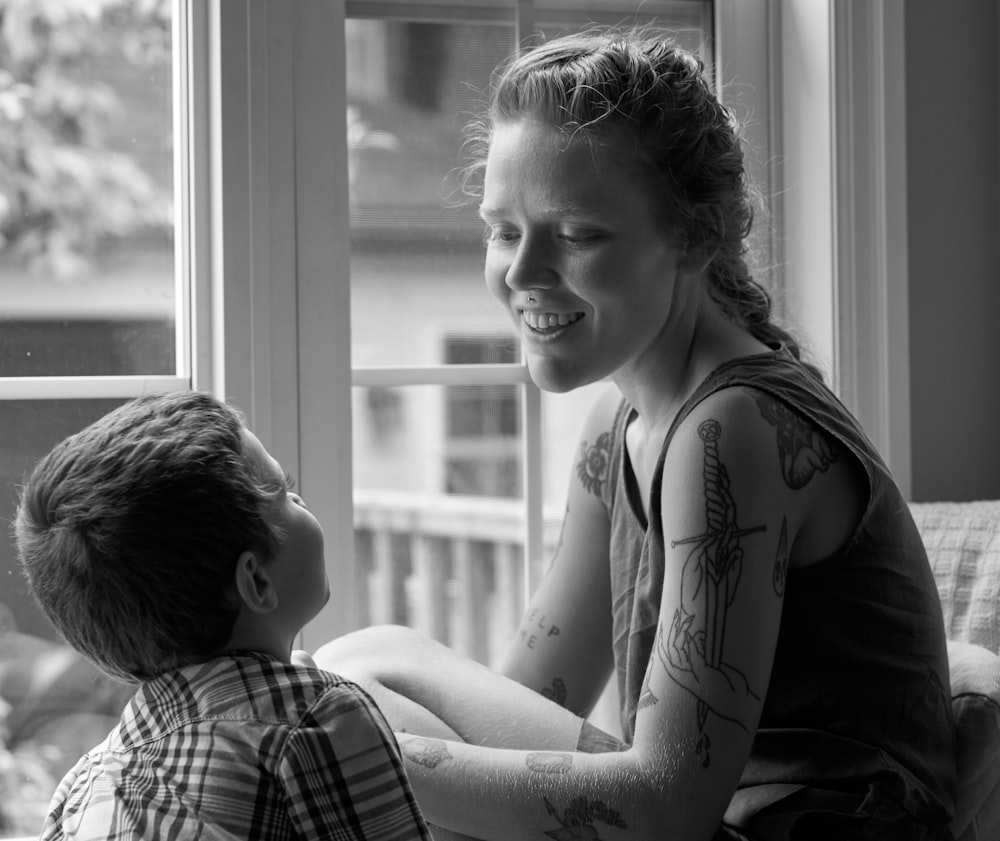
427	752
579	818
536	627
802	449
592	469
692	652
549	763
594	740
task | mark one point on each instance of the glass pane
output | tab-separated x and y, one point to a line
416	241
438	473
432	441
689	21
54	706
86	220
416	246
439	525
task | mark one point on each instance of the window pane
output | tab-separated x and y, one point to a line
416	241
438	470
438	522
87	287
416	244
54	706
86	232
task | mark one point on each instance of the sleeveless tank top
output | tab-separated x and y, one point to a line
856	737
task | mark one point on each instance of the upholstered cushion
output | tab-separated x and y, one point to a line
975	686
963	544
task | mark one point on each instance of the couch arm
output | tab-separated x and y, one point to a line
975	686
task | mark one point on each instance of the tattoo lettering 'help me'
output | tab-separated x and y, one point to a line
692	652
535	628
592	468
802	449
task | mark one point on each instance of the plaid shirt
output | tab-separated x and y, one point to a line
242	747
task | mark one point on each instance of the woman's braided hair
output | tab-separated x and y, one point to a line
608	85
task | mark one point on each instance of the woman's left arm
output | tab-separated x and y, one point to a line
731	516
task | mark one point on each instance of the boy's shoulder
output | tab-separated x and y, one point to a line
246	687
232	727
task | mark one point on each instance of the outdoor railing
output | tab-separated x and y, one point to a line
450	566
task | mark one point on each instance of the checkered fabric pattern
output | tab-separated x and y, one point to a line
242	747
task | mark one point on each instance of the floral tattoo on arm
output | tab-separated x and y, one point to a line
592	469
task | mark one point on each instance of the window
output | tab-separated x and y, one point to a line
92	313
472	481
321	248
482	424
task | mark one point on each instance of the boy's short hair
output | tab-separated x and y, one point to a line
129	532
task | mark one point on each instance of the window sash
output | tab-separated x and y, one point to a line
263	239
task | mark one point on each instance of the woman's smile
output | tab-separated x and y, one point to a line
548	323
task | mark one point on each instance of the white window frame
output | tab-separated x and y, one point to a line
280	224
274	290
279	229
264	230
871	266
836	178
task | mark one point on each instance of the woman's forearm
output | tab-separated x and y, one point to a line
471	790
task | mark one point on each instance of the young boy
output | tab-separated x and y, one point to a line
165	544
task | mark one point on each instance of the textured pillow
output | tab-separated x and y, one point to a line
975	687
963	544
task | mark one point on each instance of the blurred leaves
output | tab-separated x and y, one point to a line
66	188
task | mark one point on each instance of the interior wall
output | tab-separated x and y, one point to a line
953	204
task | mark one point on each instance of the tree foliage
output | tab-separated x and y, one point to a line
67	188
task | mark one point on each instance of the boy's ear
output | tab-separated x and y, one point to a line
254	584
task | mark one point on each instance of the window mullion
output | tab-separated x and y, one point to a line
531	424
323	252
524	19
192	249
87	388
453	374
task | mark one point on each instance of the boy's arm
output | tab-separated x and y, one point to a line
342	772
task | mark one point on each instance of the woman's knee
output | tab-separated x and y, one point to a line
371	651
391	663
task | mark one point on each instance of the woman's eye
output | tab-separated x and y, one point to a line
500	236
580	237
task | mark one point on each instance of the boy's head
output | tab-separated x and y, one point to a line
149	536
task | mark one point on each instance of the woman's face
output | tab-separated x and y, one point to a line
577	256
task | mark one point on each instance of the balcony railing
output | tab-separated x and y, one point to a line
450	566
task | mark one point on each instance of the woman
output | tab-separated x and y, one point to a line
733	546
